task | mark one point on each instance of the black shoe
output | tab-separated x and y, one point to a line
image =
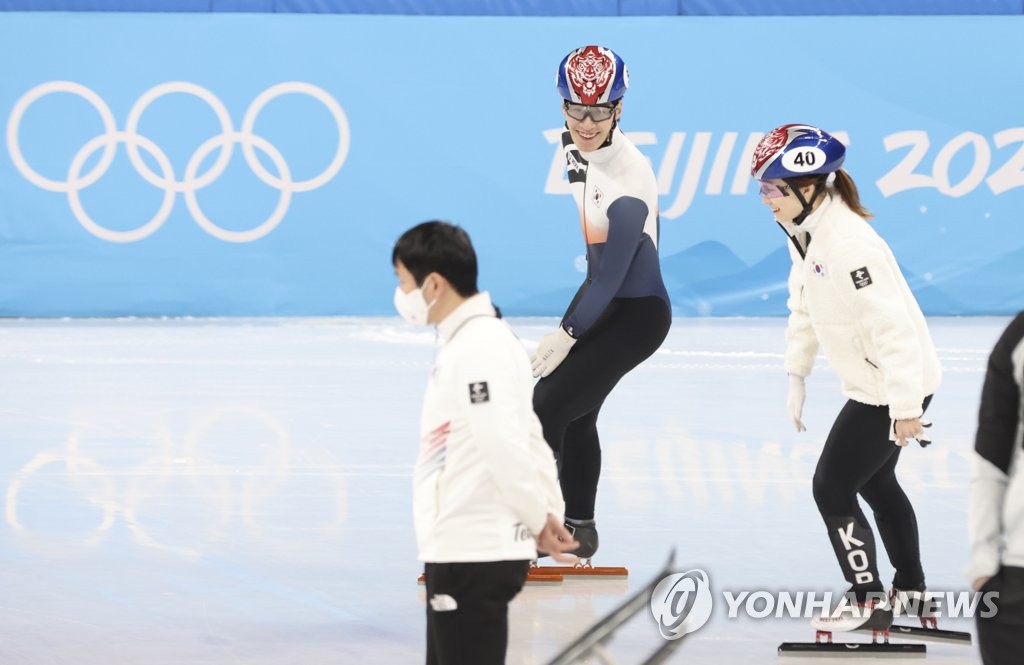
585	533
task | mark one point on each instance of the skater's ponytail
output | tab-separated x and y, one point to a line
847	189
843	185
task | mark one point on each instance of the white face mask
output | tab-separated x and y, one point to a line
412	306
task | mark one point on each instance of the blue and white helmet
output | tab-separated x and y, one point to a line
592	75
791	151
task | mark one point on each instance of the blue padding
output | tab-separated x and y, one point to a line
106	5
455	7
242	5
410	7
648	7
848	7
539	7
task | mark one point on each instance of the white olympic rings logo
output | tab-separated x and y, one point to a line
192	181
213	497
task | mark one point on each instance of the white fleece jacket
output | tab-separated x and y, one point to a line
485	480
847	294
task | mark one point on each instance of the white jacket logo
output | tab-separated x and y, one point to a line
861	277
478	393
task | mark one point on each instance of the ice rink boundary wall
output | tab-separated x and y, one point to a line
540	7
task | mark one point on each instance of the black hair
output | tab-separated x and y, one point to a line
440	247
844	185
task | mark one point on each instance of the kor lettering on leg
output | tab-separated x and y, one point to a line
855	555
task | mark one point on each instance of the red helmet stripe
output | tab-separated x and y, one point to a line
590	71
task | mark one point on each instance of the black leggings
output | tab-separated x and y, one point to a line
569	399
859	458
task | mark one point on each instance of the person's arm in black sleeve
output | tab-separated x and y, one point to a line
998	420
626	219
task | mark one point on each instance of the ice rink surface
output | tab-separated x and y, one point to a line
220	492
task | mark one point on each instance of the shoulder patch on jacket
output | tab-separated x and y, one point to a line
478	393
861	277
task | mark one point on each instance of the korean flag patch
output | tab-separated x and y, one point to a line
861	278
478	393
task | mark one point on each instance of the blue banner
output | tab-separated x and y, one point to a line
265	164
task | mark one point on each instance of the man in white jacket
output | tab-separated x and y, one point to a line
848	296
997	500
486	494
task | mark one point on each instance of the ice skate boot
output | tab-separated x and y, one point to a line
911	602
874	614
585	533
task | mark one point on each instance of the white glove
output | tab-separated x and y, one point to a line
795	401
551	351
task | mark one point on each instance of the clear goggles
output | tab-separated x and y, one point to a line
773	191
598	113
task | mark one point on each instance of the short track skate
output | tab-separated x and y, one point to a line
586	535
878	646
872	616
533	577
914	603
930	632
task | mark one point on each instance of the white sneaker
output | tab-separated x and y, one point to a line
849	616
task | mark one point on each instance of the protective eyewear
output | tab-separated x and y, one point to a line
773	191
598	113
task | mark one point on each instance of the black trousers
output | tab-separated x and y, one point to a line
859	458
1001	636
467	610
568	401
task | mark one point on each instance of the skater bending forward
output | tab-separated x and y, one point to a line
848	296
621	314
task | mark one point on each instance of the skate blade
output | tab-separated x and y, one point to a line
535	577
851	649
607	572
927	634
532	578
